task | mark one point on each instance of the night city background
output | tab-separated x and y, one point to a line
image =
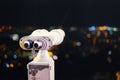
90	50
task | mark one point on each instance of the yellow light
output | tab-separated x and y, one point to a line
50	53
88	35
0	30
115	29
107	41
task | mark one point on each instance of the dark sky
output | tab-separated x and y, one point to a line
60	12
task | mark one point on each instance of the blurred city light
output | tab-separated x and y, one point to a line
15	37
92	46
2	27
50	53
15	56
92	28
55	57
7	64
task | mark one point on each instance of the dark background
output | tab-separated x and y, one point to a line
75	62
60	12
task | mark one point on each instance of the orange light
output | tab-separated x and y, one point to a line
118	75
102	28
0	30
11	65
29	28
94	41
106	34
50	53
74	43
10	27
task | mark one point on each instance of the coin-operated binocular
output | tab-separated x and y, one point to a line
42	66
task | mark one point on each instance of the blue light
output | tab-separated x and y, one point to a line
92	28
111	32
30	57
15	56
33	51
7	65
